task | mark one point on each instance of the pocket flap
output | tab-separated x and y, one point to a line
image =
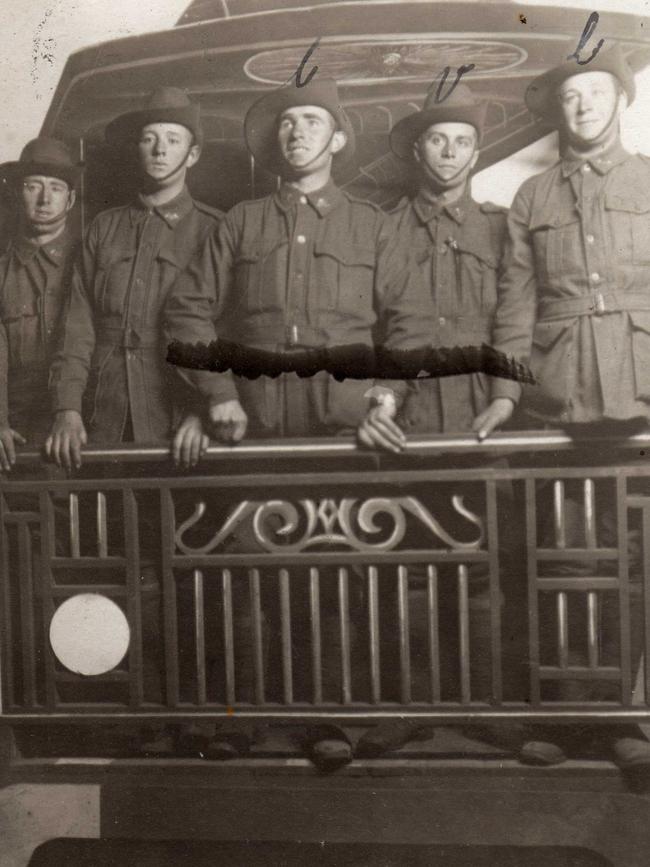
347	254
548	333
552	219
478	248
107	257
640	320
16	308
633	203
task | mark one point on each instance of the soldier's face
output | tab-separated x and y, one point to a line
46	202
308	138
589	102
166	152
447	152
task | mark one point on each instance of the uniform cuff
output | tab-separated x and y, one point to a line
66	397
506	388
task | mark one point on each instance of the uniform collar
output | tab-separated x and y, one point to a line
55	251
322	201
427	208
171	212
601	164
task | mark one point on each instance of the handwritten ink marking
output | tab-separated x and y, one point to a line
522	19
445	74
302	64
590	26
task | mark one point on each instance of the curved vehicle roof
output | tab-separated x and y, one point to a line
385	54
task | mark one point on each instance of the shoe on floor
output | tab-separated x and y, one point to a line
227	745
159	744
542	754
387	737
632	754
327	746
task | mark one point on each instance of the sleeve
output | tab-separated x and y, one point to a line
517	294
4	378
192	307
406	313
74	351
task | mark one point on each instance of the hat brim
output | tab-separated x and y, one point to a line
410	128
541	92
261	128
126	128
16	170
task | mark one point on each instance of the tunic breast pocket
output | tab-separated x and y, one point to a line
112	280
21	322
344	277
478	276
557	243
629	223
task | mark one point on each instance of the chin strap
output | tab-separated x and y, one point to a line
322	150
429	172
179	166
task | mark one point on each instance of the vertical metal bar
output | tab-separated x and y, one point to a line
168	533
75	546
495	591
592	629
434	632
316	641
285	631
533	593
590	512
102	528
344	626
199	636
82	188
463	634
6	641
134	597
559	514
228	635
48	529
404	634
27	612
373	631
258	637
623	589
646	601
562	630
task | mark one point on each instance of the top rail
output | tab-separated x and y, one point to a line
441	444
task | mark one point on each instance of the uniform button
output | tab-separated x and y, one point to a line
443	249
442	321
303	200
586	167
595	276
590	239
301	239
139	281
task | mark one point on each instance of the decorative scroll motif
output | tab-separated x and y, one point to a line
347	523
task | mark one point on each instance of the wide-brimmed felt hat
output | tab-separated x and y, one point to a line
261	121
44	156
541	93
164	105
461	106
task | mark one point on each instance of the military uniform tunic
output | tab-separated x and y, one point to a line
112	354
576	294
457	250
291	271
34	282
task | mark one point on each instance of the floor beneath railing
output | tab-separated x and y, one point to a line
451	791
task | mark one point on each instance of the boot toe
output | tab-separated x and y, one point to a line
541	753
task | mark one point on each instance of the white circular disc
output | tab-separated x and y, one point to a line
89	634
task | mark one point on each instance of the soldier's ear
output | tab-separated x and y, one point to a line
475	157
339	141
193	155
72	198
416	151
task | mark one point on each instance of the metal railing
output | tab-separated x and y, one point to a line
311	580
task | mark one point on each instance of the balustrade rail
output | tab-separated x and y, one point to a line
311	580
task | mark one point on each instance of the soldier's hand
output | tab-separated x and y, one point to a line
190	442
229	421
379	430
8	438
497	413
64	442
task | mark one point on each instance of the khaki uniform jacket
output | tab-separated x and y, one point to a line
34	281
291	271
575	298
110	364
457	251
